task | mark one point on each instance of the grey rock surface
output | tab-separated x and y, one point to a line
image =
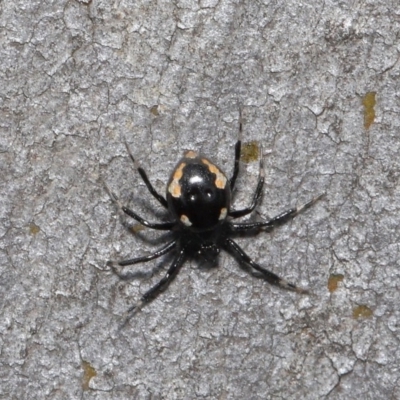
77	78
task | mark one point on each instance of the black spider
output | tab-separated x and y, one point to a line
199	203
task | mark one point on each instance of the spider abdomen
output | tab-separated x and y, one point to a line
198	193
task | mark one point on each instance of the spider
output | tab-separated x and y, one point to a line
198	199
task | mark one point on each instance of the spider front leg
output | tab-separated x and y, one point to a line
163	226
237	252
275	221
158	253
152	293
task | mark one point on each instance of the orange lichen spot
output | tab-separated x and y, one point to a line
185	220
88	373
175	187
220	180
154	110
362	312
250	151
223	214
369	101
137	228
191	154
333	281
33	229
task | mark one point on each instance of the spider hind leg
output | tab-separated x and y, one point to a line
161	199
122	210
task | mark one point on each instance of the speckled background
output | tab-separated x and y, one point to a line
79	77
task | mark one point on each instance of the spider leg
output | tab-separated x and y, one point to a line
257	194
152	293
161	199
234	249
163	226
238	146
158	253
275	221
